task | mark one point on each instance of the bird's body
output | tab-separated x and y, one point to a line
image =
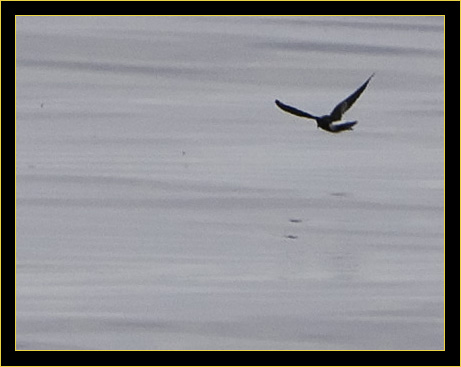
325	122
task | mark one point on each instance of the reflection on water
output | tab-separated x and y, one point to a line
164	202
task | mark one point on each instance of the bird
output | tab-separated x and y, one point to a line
325	122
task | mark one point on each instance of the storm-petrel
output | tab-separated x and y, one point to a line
326	122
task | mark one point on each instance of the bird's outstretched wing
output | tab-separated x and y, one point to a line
293	110
342	107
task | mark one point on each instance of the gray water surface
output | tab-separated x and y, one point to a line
164	202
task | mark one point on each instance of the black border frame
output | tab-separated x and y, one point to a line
450	9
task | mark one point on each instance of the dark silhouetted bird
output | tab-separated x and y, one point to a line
326	122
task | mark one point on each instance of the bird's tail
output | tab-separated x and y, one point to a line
343	126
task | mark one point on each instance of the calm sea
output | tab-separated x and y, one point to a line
164	201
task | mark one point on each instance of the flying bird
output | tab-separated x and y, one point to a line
326	122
